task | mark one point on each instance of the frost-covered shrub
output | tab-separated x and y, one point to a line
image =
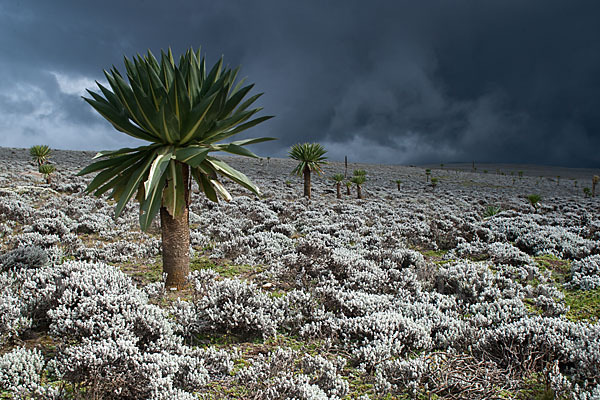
285	229
13	316
257	248
98	301
13	207
557	241
23	257
198	239
125	250
21	374
397	376
280	375
548	299
488	314
5	229
300	308
34	239
125	348
443	374
49	226
497	252
585	273
70	187
469	282
94	223
155	289
447	231
227	305
529	343
119	368
381	335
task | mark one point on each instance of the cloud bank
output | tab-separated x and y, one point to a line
385	81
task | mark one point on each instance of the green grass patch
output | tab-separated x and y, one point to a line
532	307
584	305
434	256
143	273
535	388
560	269
434	253
225	269
225	390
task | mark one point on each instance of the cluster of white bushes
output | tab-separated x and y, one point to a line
345	274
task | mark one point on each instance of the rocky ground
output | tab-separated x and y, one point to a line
463	290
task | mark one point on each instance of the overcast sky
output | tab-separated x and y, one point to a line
404	82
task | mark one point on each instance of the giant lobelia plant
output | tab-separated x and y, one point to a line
310	157
184	111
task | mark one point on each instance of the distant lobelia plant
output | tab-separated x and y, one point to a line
398	182
491	210
47	170
520	174
338	179
359	177
587	192
434	182
348	186
310	156
534	200
345	166
595	180
40	154
184	111
427	174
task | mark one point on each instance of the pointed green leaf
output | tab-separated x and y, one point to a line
108	173
119	121
205	185
195	118
224	135
134	181
218	186
233	174
158	167
191	155
235	149
248	102
235	100
125	150
174	192
245	142
102	164
149	208
116	181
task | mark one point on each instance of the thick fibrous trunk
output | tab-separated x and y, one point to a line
398	187
348	190
339	191
307	182
359	191
175	233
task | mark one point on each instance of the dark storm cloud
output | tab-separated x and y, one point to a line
379	81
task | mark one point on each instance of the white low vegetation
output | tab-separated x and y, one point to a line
405	292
